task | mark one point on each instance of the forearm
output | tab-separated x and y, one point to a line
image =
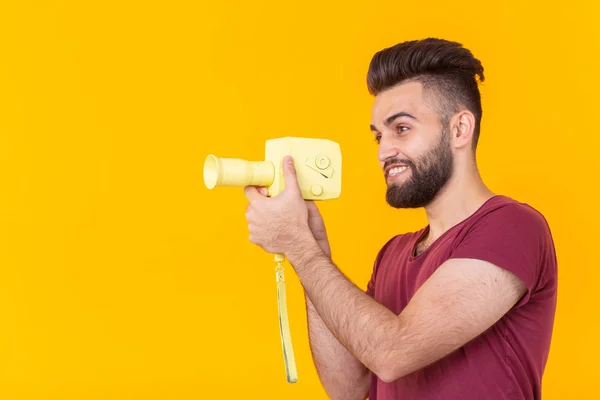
342	375
369	330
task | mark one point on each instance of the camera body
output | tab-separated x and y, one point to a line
318	164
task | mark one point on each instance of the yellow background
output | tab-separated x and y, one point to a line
123	277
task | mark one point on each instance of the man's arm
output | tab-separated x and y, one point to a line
462	299
342	375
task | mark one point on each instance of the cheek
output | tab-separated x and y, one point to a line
412	146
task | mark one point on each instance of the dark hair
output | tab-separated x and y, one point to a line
446	68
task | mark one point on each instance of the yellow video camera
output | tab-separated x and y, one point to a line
318	164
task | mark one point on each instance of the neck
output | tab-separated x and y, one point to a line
462	195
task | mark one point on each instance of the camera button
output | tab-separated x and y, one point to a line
316	189
322	161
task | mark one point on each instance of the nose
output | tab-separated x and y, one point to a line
386	149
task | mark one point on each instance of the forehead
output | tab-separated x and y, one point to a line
407	97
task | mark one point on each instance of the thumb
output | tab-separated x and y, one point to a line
289	174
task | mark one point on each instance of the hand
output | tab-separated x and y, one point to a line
277	223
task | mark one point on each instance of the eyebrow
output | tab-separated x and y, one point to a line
391	119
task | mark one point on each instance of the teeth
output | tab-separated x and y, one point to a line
396	170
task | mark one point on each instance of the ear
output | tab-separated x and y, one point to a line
462	128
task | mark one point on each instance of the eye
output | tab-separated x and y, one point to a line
401	128
378	138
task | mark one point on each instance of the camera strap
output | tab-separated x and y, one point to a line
284	326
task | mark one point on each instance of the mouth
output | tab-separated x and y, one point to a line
395	170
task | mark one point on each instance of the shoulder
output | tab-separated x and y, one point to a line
513	217
509	234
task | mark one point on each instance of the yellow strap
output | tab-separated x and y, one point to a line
284	327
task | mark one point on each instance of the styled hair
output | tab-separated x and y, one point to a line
446	69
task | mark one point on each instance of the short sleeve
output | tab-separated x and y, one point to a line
511	237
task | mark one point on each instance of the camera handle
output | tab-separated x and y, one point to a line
284	326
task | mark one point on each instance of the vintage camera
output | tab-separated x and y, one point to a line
318	164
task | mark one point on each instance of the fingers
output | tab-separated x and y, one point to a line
252	193
312	207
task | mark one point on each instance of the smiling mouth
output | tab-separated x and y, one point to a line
396	171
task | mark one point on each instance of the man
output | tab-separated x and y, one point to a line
461	309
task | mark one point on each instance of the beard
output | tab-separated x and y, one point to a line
429	175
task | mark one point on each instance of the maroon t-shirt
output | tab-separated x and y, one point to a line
506	361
